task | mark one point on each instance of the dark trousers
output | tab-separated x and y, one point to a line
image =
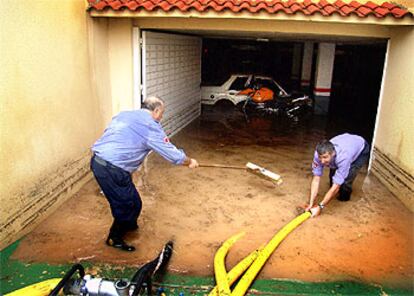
346	188
121	194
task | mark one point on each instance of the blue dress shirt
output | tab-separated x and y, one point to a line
130	136
347	147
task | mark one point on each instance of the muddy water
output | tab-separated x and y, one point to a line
369	238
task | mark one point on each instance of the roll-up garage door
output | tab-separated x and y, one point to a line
171	69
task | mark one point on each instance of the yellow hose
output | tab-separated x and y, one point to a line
219	265
247	279
237	270
40	289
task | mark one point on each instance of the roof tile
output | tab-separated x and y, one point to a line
329	9
363	11
307	7
388	5
355	4
398	12
346	10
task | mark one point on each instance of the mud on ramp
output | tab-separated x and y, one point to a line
369	238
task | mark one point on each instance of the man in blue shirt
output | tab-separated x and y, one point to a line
125	143
344	155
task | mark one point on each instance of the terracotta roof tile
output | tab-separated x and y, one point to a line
296	7
388	5
306	7
329	9
363	11
311	9
399	12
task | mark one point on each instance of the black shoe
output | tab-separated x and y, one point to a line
344	194
119	244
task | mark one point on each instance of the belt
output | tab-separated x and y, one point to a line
101	161
105	163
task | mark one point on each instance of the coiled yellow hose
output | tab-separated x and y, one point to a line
219	265
237	270
247	279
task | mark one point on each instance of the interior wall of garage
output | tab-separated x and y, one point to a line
172	70
48	114
393	158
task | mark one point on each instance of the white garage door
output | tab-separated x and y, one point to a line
171	67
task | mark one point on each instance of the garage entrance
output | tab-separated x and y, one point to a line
175	64
200	209
356	78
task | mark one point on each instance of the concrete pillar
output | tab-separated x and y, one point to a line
323	77
296	58
307	58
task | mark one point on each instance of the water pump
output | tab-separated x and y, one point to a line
87	285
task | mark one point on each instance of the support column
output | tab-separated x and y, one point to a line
323	77
296	62
306	65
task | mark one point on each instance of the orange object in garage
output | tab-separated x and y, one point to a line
247	91
262	95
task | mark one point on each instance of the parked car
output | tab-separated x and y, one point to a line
228	91
240	87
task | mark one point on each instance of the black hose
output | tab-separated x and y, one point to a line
144	274
67	277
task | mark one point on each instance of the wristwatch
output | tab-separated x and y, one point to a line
321	206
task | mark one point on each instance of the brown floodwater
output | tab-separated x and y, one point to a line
369	238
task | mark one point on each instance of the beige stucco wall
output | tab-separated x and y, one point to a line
98	33
393	159
48	112
110	42
395	130
121	64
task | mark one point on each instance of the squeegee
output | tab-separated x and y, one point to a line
251	167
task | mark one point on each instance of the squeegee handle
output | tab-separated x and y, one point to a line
221	166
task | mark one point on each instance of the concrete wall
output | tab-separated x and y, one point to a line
48	112
393	161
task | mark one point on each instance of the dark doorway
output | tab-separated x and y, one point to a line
356	87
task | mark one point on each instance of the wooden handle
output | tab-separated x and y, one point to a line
221	166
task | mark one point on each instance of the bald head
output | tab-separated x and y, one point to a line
155	105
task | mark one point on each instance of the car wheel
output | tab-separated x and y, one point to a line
224	105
